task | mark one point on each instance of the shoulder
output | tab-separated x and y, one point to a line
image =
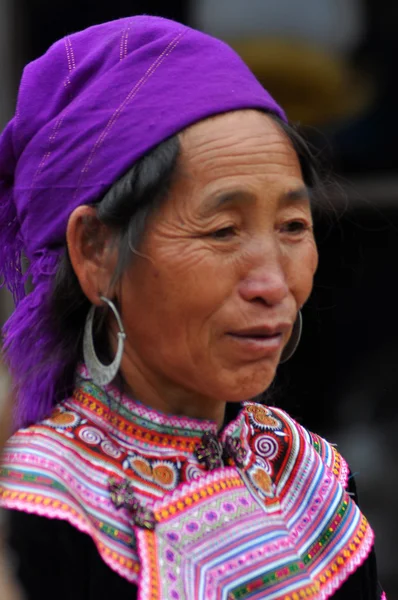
40	466
298	440
59	469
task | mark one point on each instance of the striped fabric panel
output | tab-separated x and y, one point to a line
46	476
205	546
282	521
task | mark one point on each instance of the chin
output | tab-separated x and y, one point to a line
243	386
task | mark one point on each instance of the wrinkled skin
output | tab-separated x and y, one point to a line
230	249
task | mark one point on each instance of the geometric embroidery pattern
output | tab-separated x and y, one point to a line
277	519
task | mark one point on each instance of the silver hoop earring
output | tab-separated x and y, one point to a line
102	374
294	339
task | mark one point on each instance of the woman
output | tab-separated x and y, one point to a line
162	201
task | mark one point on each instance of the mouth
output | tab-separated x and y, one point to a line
263	340
262	332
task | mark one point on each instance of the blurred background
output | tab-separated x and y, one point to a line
332	65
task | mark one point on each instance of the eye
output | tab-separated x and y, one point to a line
296	227
224	233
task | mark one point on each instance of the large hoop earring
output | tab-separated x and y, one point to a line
102	374
294	339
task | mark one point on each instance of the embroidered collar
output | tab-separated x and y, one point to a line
122	416
167	516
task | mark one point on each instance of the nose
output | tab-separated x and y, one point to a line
264	278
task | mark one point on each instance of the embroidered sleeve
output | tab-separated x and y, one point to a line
266	419
332	458
43	474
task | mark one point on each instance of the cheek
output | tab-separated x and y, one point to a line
179	259
191	272
302	268
177	291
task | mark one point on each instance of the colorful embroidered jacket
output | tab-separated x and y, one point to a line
259	511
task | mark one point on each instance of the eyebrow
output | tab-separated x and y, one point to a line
297	194
219	201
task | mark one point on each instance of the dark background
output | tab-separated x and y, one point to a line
343	381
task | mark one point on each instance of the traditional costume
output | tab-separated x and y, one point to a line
106	495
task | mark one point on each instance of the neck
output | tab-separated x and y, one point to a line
159	393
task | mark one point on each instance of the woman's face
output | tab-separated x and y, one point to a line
228	260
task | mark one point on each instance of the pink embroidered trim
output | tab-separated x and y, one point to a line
150	414
344	473
352	566
195	485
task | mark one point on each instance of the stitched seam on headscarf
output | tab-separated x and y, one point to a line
151	70
46	156
70	57
124	42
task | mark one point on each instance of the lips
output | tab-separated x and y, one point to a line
258	342
262	331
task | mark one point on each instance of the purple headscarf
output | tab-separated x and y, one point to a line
87	110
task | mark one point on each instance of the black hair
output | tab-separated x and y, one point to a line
125	209
310	163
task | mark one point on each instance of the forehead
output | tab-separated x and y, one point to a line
239	144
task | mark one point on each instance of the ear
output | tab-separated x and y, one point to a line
91	252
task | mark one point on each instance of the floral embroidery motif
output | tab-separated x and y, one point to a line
165	474
261	480
62	420
161	472
233	449
122	496
261	417
210	452
141	466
